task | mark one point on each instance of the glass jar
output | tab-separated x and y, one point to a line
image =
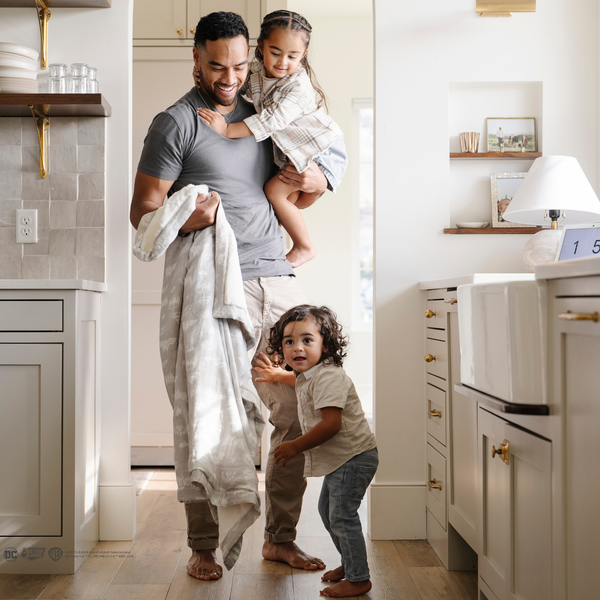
79	70
78	85
57	85
57	70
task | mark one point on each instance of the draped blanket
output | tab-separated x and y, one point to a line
205	336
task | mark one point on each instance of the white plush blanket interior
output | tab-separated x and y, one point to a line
205	335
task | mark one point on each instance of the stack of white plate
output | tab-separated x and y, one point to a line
18	69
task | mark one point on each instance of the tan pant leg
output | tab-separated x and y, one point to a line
268	298
203	532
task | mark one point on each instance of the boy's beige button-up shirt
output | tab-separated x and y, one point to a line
322	386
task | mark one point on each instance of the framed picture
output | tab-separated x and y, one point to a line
504	187
511	135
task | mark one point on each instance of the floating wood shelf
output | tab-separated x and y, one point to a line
492	230
497	155
56	3
54	105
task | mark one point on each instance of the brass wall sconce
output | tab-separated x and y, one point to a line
503	8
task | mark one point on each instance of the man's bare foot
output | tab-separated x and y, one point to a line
347	589
334	575
299	255
289	553
203	565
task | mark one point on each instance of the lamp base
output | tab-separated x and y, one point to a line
541	249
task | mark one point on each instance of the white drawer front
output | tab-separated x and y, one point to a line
31	315
436	477
436	413
435	314
438	353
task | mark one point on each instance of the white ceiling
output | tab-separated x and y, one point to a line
331	7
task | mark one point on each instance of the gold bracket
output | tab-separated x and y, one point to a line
43	17
503	8
41	126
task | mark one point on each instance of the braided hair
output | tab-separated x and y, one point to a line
286	19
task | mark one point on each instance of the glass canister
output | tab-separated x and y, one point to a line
78	85
92	82
57	85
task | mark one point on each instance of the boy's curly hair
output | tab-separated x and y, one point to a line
334	341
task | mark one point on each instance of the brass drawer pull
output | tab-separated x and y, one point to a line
434	485
570	316
429	358
450	300
434	413
429	314
180	31
502	451
192	31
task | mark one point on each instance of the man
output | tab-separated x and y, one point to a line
181	149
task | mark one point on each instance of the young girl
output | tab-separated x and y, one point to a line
282	88
336	440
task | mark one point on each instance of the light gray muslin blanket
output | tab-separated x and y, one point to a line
205	336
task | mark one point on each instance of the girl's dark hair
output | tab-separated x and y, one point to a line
286	19
218	25
334	341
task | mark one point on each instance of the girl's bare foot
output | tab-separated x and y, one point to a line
203	565
347	589
334	575
298	256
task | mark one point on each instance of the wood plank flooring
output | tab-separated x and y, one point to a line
155	568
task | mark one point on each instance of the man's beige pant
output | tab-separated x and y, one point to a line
267	299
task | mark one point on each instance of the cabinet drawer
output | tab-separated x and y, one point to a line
31	315
439	364
435	314
436	405
436	476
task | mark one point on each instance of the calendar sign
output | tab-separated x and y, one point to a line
579	242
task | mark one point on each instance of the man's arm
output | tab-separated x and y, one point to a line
149	194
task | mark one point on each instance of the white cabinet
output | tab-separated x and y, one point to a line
451	518
515	557
576	394
49	436
175	21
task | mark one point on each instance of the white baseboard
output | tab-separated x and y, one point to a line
397	512
117	512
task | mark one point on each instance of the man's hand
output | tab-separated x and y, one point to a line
214	119
311	181
285	452
205	213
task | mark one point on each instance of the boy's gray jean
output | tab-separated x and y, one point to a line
267	299
341	495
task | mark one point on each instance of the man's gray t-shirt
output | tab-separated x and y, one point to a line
182	148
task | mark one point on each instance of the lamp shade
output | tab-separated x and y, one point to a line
554	183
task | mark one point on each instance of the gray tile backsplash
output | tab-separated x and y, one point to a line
70	201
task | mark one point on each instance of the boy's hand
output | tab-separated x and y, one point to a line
285	452
214	119
268	371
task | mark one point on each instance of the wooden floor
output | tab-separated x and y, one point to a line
155	568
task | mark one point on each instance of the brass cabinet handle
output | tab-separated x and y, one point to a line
434	485
429	314
434	413
180	31
429	358
192	31
450	300
502	451
570	316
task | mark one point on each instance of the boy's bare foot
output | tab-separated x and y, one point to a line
289	553
347	589
203	565
334	575
298	256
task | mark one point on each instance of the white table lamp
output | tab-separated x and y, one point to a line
554	188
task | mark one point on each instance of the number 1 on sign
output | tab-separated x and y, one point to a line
576	244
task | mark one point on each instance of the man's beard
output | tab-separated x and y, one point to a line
210	92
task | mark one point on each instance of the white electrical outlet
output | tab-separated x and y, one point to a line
27	226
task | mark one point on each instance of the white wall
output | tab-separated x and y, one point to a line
102	38
422	48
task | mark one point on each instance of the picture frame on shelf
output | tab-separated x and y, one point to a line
511	134
503	188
